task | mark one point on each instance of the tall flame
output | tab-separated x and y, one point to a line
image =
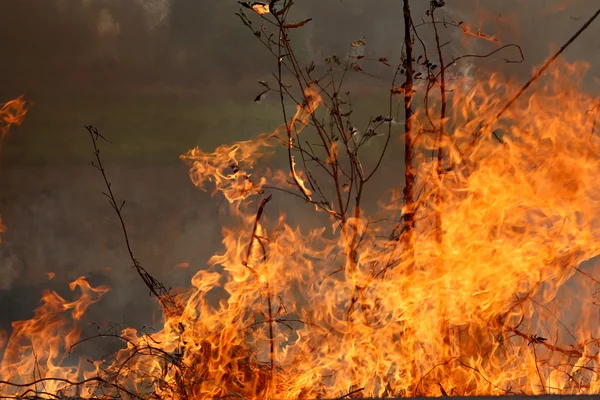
344	309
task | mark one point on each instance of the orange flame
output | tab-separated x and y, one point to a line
261	8
227	166
11	113
38	348
518	220
328	311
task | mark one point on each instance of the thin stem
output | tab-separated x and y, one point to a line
536	75
409	173
169	304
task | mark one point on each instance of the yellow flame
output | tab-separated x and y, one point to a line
327	311
261	8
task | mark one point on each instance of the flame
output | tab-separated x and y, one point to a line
499	23
226	167
2	228
519	219
302	185
478	34
333	310
260	8
12	113
38	348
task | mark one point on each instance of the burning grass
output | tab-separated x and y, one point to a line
469	289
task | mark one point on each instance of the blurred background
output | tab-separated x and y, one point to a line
158	77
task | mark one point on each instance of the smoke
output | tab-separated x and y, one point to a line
107	26
156	12
10	265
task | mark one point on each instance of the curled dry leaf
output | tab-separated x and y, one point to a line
297	24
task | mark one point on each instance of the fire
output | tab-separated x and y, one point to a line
12	113
477	316
38	348
2	227
345	308
226	167
261	8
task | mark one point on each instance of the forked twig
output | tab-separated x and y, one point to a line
169	304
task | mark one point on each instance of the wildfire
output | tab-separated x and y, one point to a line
346	308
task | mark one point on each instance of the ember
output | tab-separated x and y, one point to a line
464	279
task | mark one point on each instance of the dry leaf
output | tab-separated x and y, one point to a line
298	24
